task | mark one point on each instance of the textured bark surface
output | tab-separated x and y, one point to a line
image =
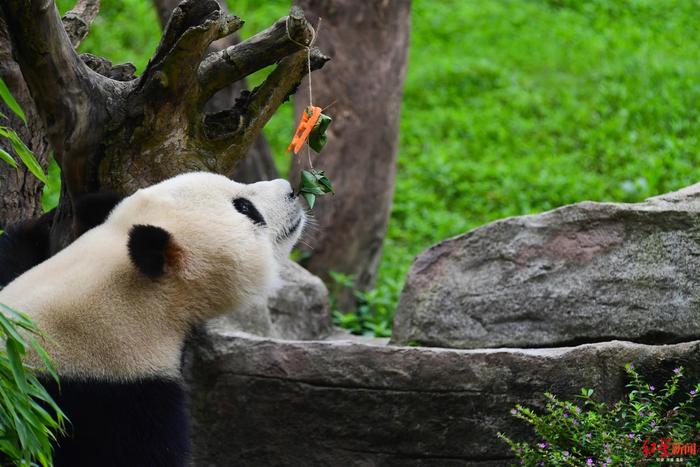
20	196
258	164
112	131
369	43
257	401
21	191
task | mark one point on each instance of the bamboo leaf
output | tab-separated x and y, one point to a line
10	101
14	353
27	157
4	155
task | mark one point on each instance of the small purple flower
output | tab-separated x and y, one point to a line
692	392
589	461
566	453
575	422
566	415
630	436
578	409
543	445
632	366
653	423
588	435
513	412
651	388
608	460
676	370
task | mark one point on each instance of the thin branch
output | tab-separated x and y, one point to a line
78	20
253	110
278	86
288	35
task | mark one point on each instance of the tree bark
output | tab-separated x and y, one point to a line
21	191
112	131
258	164
369	42
21	194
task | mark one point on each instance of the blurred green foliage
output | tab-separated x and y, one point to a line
510	107
519	106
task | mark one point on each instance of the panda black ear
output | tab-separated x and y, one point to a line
152	250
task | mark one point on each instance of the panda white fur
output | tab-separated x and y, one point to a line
118	303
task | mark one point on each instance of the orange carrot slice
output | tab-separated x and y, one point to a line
308	119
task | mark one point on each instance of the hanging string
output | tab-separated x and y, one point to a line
308	70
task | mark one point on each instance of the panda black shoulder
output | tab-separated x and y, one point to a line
28	243
147	422
23	246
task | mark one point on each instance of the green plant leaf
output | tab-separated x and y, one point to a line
324	182
4	155
317	137
310	199
24	153
27	425
317	141
14	353
314	183
10	101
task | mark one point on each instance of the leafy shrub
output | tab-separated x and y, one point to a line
374	309
28	415
650	423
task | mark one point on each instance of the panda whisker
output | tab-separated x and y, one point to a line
306	244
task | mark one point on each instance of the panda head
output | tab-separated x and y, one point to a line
211	241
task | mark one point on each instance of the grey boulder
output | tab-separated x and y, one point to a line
588	272
298	308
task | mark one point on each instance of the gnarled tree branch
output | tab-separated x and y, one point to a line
234	63
58	80
234	130
192	27
111	131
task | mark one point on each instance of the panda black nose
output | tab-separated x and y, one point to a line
291	195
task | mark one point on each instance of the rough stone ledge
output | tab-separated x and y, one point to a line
263	401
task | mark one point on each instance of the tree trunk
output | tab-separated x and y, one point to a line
258	164
112	131
369	42
21	191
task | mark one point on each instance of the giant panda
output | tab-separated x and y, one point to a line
117	304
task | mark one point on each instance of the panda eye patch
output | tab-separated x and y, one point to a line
247	208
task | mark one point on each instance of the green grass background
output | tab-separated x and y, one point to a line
510	107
